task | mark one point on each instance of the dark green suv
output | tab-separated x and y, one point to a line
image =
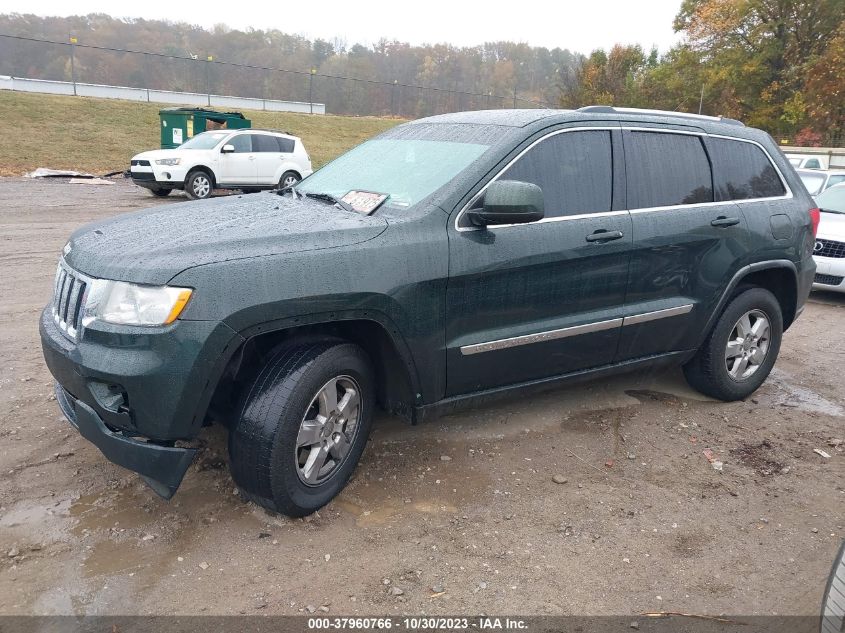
445	262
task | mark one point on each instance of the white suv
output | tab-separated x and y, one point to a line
223	159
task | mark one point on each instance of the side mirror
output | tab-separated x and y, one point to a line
227	149
509	202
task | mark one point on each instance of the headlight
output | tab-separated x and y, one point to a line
168	161
133	304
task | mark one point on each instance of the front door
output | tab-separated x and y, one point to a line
530	301
238	167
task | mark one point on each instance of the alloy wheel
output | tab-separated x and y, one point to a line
747	345
327	430
201	186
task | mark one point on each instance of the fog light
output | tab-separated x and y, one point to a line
167	175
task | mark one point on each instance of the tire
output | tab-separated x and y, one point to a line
735	372
160	193
266	461
289	179
199	185
250	190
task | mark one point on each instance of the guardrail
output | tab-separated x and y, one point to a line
23	84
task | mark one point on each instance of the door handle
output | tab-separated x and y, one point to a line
252	157
723	221
603	235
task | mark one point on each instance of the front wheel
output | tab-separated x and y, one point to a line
741	349
160	193
303	425
198	186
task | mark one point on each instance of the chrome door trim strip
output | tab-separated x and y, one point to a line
645	317
632	128
549	335
575	330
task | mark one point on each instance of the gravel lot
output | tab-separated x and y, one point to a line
462	515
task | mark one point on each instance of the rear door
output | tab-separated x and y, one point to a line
687	245
238	167
268	158
530	301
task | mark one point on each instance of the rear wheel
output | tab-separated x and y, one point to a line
741	349
160	193
303	424
198	185
289	179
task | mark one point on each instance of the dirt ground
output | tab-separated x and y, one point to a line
461	515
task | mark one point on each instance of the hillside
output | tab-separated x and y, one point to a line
101	135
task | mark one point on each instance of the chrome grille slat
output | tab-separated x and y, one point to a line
68	297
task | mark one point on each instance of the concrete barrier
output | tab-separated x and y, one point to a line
22	84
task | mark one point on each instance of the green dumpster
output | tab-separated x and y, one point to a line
180	124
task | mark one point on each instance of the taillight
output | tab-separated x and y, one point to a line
815	217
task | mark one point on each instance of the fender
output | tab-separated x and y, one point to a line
734	283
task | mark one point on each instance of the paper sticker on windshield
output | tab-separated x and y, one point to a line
364	201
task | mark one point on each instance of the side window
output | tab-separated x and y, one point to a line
285	144
835	180
264	143
666	169
813	163
574	170
742	171
242	143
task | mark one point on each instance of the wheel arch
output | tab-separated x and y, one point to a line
779	276
397	385
206	169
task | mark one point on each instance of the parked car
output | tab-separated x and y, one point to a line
817	180
448	261
801	161
248	159
829	248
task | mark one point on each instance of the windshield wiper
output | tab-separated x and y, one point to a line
836	211
327	197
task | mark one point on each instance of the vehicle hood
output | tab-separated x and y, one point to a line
154	245
832	226
163	153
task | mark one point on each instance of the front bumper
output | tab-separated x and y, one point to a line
830	274
162	467
135	391
158	176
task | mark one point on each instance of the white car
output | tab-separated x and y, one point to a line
817	180
800	161
829	249
247	159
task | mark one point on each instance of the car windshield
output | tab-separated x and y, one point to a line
832	200
813	182
206	140
415	163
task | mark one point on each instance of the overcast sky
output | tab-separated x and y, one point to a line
580	25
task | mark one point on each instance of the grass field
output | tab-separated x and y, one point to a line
101	135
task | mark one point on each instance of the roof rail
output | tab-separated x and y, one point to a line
604	109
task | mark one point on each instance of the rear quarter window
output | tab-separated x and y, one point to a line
742	171
666	169
285	144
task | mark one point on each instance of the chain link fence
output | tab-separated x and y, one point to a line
83	63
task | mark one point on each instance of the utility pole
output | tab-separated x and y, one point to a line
208	61
701	99
73	41
311	89
514	98
393	98
489	94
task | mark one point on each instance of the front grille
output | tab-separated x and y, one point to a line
68	299
828	280
140	163
829	248
143	175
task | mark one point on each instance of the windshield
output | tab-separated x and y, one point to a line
405	169
832	200
206	140
813	182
